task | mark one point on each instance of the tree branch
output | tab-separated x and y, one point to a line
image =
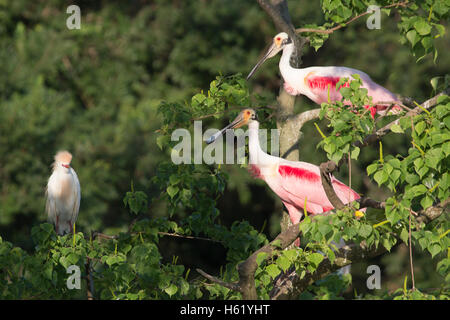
387	128
294	123
331	30
289	285
326	170
231	286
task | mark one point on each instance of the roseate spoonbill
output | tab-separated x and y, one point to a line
63	194
319	83
296	183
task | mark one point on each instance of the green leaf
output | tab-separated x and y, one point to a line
325	228
387	243
434	249
381	177
396	128
273	270
419	127
283	263
426	202
404	235
423	242
422	27
372	168
171	290
412	37
434	82
355	153
260	258
365	230
315	259
160	141
172	191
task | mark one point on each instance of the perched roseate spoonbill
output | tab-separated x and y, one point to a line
319	83
63	194
296	183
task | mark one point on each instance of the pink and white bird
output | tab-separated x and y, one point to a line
63	194
296	183
319	83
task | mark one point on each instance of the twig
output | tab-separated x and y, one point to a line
410	253
349	174
100	235
176	235
387	128
231	286
331	30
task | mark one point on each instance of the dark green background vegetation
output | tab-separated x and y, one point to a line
95	92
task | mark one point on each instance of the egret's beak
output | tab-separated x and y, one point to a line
66	166
237	123
272	51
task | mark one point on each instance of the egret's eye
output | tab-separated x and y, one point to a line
278	38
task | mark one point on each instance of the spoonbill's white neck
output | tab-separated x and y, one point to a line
286	56
292	76
256	155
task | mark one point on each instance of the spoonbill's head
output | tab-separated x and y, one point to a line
280	41
245	117
63	159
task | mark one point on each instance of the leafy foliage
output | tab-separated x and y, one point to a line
98	92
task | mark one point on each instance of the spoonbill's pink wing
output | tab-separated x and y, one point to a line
302	181
321	85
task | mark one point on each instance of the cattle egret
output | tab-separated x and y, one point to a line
298	184
63	194
319	83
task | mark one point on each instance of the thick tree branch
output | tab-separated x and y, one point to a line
433	212
326	170
365	202
294	123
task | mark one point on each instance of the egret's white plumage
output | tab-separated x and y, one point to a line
63	194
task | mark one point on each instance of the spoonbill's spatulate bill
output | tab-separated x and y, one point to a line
319	83
295	182
63	194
